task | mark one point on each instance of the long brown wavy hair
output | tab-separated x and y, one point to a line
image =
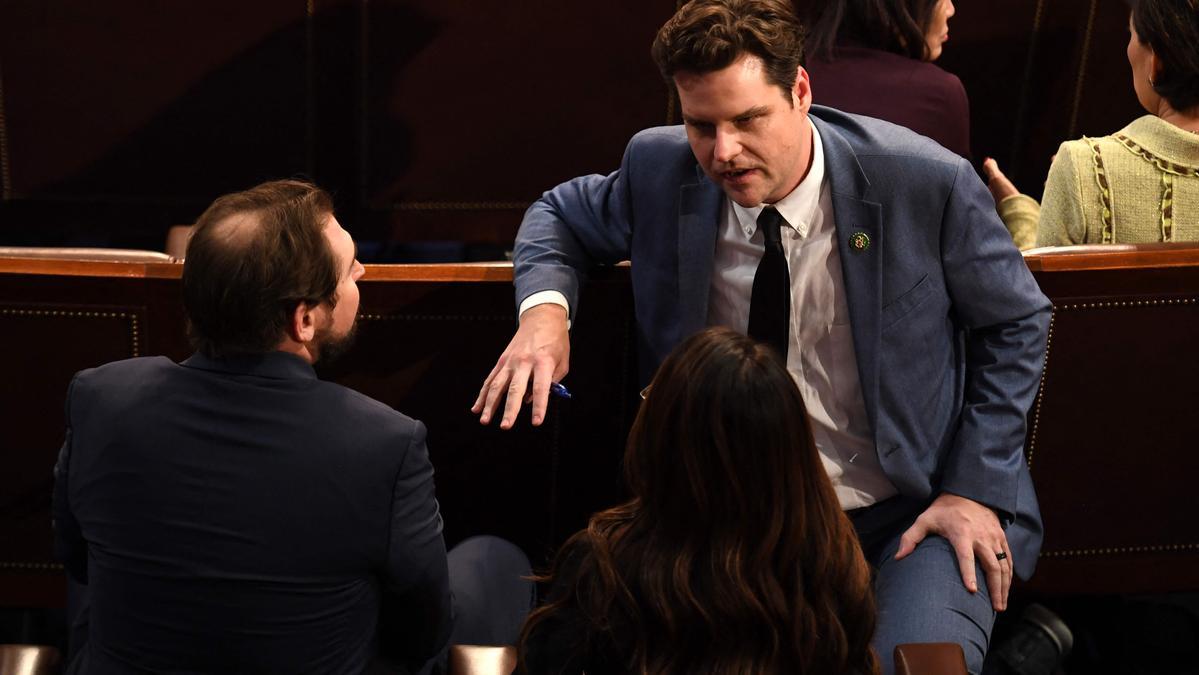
733	555
896	26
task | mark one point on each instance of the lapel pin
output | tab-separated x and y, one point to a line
860	241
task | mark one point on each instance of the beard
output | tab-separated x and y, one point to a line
329	347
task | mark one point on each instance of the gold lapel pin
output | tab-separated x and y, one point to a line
860	241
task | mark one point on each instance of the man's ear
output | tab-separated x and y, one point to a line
302	326
801	91
1155	65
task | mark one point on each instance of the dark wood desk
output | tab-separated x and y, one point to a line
1111	441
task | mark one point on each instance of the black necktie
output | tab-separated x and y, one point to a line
770	303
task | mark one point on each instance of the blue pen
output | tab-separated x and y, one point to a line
558	390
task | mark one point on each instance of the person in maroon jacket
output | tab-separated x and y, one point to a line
874	57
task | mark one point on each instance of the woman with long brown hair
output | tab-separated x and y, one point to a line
733	554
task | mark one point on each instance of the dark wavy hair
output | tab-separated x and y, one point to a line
733	555
897	26
709	35
253	257
1171	29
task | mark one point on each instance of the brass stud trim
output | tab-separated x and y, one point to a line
1036	416
1116	550
5	164
134	330
435	317
1125	304
513	205
30	566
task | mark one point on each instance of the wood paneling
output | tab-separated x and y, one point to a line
428	120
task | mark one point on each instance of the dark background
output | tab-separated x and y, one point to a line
433	122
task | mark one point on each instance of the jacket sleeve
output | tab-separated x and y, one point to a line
1062	221
1020	214
69	546
580	223
1005	318
415	621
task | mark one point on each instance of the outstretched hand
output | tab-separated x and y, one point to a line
540	353
1001	188
974	531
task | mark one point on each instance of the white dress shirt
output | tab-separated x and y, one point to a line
820	356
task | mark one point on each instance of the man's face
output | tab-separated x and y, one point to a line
334	334
744	132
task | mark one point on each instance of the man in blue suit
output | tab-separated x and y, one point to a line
232	512
912	326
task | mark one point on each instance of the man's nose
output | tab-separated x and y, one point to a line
728	146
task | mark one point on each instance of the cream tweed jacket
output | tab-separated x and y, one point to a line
1140	184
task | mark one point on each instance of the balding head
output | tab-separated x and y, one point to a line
253	257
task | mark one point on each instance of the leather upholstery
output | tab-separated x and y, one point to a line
28	660
930	658
476	660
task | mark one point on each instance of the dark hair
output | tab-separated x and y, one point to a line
897	26
1171	29
733	555
253	257
709	35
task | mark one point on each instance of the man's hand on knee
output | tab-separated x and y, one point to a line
975	533
540	353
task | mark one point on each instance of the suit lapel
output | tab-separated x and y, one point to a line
861	263
699	213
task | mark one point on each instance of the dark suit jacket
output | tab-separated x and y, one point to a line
913	94
240	515
949	327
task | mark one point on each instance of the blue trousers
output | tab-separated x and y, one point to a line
492	591
921	598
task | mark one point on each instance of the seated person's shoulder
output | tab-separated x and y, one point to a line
939	79
371	415
118	375
1080	152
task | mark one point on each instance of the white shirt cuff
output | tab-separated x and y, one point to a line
546	298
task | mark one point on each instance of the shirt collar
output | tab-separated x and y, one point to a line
800	206
277	365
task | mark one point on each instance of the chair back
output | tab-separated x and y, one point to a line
930	658
476	660
1111	436
28	660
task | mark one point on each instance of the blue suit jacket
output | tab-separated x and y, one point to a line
949	326
240	515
